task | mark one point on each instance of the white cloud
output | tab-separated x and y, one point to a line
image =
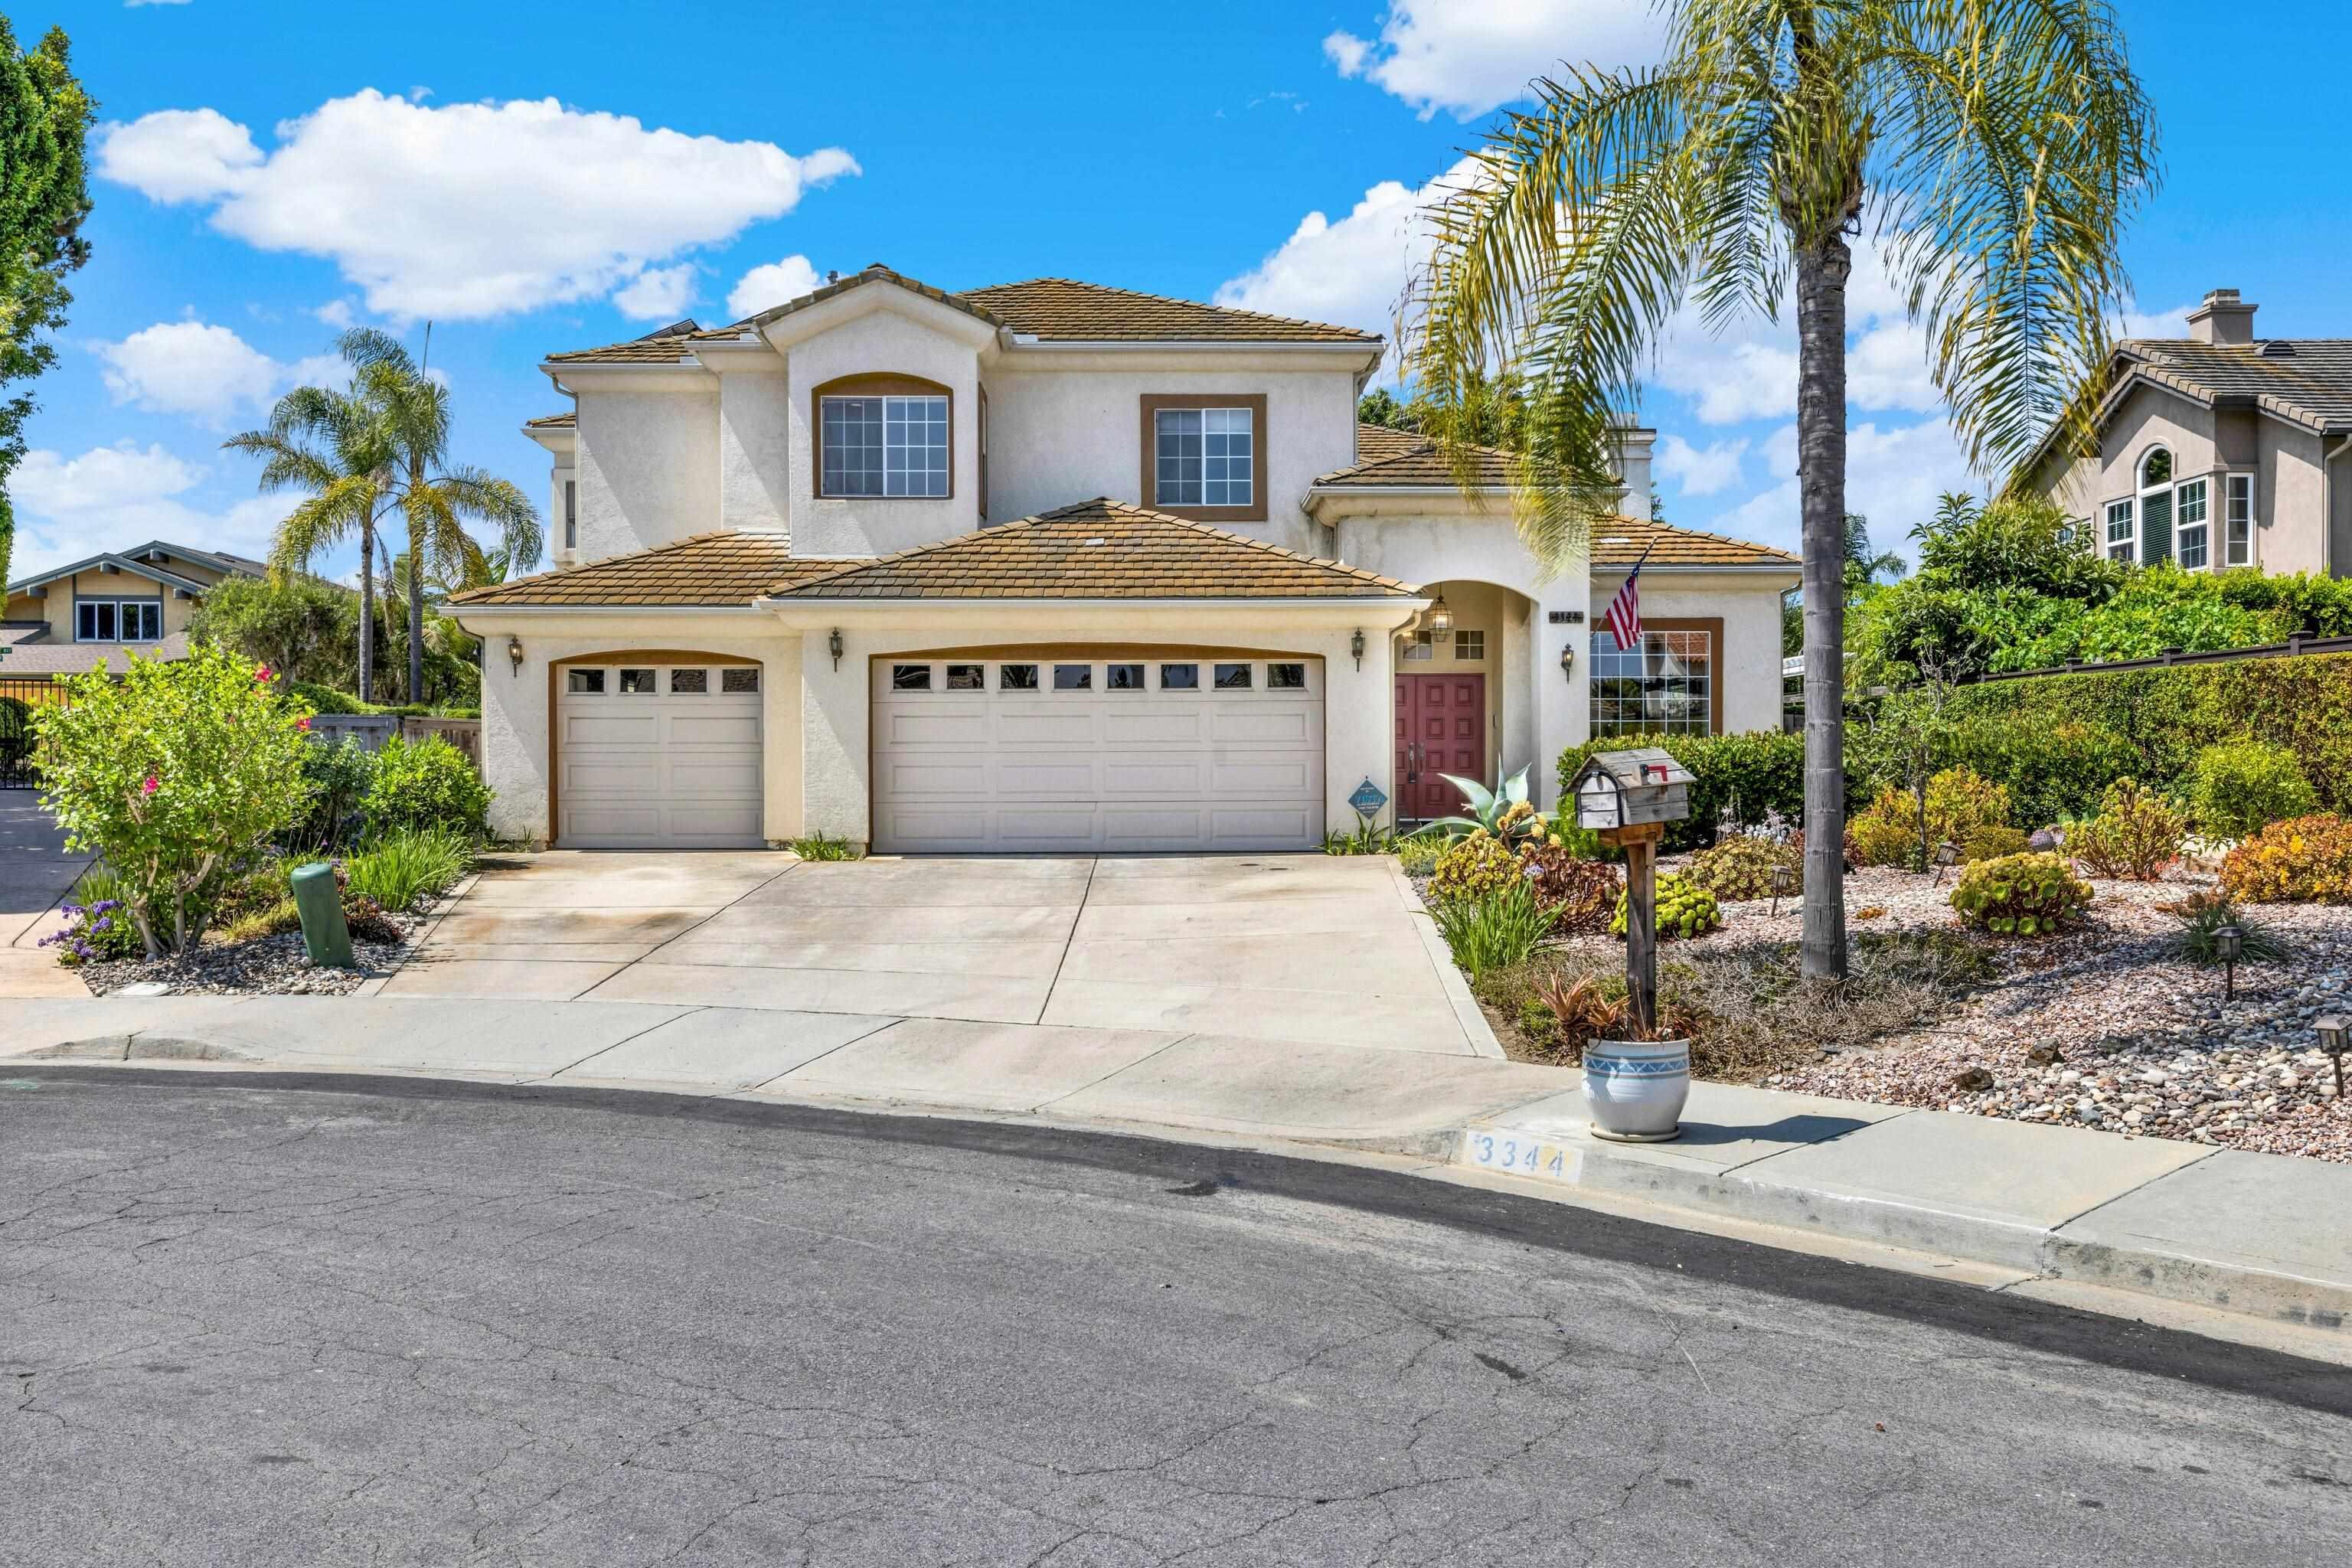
336	313
1892	476
1351	271
187	367
1468	56
766	287
468	210
111	498
657	294
1701	471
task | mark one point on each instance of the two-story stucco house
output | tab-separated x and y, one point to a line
1052	567
2218	449
135	601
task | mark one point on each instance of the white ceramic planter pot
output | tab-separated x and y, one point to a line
1634	1090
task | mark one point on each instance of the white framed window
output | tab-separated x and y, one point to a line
2191	530
885	446
2122	537
2155	506
2238	520
1205	456
571	514
118	620
1662	685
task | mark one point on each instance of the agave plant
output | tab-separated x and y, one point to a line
1504	812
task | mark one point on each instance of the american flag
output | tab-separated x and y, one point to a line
1624	616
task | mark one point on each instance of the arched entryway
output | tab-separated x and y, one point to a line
1464	702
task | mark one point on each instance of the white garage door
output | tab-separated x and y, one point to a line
1072	753
658	757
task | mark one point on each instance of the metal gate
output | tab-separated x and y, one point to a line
19	698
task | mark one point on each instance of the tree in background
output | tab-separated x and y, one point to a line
302	627
432	495
2001	145
1864	567
45	119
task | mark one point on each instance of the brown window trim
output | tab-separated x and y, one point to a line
876	385
1147	486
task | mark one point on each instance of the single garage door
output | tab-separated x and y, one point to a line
1073	751
659	756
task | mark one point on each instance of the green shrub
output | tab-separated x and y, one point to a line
1685	908
1494	932
1741	867
1960	807
2303	860
425	783
2136	835
2243	787
1582	891
1476	866
2054	770
366	920
401	869
270	919
1740	777
1994	843
1418	855
323	699
2022	895
822	847
2201	915
17	737
177	775
339	775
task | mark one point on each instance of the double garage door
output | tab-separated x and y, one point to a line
659	756
1082	751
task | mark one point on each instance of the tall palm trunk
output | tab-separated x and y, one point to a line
416	585
367	609
1823	268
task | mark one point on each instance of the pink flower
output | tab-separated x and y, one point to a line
301	723
263	673
151	786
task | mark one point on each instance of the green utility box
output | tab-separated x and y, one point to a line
325	937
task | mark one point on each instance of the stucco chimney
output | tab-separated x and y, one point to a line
2223	318
1634	445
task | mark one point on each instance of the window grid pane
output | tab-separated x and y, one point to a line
689	683
1665	684
739	680
2188	524
2240	522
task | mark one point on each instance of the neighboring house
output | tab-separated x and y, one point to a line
2217	449
1052	567
136	601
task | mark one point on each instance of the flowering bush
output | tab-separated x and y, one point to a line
99	932
2022	895
425	783
1476	866
2136	835
1961	806
177	775
2306	860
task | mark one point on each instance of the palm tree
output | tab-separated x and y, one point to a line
1998	146
433	495
1864	567
331	445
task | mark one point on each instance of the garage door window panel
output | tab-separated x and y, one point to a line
1016	677
911	678
638	682
1233	678
736	683
585	682
1180	678
1123	677
967	677
1074	678
689	682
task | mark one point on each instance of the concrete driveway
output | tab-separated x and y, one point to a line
36	872
1308	948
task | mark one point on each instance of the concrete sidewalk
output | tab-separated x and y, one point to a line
36	872
2253	1234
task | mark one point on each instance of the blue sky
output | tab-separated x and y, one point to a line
536	177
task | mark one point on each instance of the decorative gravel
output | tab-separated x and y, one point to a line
266	966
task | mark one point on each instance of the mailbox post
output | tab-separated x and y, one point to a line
1628	797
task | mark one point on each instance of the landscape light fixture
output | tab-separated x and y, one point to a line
1782	877
1441	616
514	652
2228	941
1356	647
2332	1030
833	646
1947	855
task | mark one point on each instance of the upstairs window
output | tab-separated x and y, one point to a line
2237	522
118	620
2120	532
883	435
1204	456
571	514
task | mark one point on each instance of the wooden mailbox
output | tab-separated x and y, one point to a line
1629	797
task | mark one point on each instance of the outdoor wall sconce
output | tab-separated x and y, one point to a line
2331	1040
1356	647
514	652
833	646
1441	616
1568	663
2228	941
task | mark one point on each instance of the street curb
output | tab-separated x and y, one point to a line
1466	1011
2169	1274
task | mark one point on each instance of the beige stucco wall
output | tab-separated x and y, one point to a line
1074	430
837	704
1750	663
754	444
515	713
646	458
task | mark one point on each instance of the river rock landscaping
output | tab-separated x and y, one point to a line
263	966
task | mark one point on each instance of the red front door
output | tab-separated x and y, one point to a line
1441	727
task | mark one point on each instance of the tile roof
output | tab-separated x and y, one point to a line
706	569
1402	459
1058	309
1098	549
2306	380
563	421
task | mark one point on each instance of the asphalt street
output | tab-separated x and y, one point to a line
315	1322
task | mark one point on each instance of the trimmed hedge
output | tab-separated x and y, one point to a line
1761	770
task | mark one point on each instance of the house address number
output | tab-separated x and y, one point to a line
1521	1156
1565	617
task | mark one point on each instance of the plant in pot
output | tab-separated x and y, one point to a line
1634	1090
